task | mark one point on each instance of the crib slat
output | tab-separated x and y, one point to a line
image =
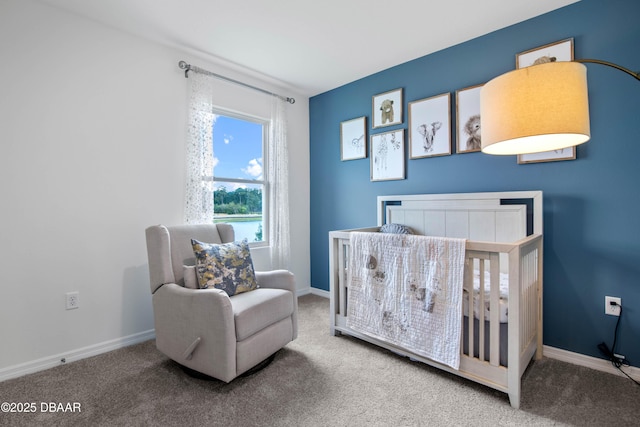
481	331
526	304
494	310
469	287
342	279
525	289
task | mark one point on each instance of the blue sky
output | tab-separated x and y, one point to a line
237	148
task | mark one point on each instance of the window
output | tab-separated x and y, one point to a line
239	195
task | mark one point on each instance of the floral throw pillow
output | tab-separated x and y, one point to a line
226	266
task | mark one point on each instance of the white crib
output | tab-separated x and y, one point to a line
504	237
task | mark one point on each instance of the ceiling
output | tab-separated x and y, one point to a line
310	46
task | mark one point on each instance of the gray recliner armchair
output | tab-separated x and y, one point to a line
204	329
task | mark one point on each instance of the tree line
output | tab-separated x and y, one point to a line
242	201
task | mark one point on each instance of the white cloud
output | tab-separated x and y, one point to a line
235	186
254	168
228	139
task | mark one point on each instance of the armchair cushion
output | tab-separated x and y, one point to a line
252	311
225	266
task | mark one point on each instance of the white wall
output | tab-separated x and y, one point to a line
92	125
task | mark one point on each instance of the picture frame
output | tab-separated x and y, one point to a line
353	139
558	51
386	109
468	131
568	153
387	160
430	126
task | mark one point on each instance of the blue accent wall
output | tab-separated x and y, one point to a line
591	205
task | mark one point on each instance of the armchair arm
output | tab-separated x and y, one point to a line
277	279
182	316
281	279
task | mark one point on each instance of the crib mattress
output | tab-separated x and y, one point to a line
503	305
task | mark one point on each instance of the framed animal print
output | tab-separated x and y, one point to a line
353	139
568	153
468	133
386	109
552	52
430	127
387	156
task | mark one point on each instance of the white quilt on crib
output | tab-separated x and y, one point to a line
407	290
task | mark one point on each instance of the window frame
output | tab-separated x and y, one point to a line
218	111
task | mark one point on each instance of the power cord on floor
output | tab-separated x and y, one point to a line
616	360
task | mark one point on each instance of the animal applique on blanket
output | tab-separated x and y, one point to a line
407	290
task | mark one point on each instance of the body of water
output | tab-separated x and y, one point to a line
246	229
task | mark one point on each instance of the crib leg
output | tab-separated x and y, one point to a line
333	332
514	399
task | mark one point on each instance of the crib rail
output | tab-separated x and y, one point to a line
523	261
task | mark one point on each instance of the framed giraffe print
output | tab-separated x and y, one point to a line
387	156
353	139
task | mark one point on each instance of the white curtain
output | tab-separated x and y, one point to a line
198	203
200	162
278	184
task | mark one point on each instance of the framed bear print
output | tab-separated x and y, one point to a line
386	109
430	127
387	156
468	119
353	139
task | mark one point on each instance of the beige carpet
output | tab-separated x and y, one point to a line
317	380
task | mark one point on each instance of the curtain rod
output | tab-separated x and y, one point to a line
188	67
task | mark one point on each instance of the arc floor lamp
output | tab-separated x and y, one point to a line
539	108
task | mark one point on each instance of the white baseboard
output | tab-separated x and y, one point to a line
319	292
96	349
303	291
73	355
313	291
589	362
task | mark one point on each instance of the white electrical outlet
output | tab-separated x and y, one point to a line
613	310
73	300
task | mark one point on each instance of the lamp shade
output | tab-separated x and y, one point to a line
535	109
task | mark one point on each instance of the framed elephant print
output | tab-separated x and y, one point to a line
386	109
430	127
469	136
